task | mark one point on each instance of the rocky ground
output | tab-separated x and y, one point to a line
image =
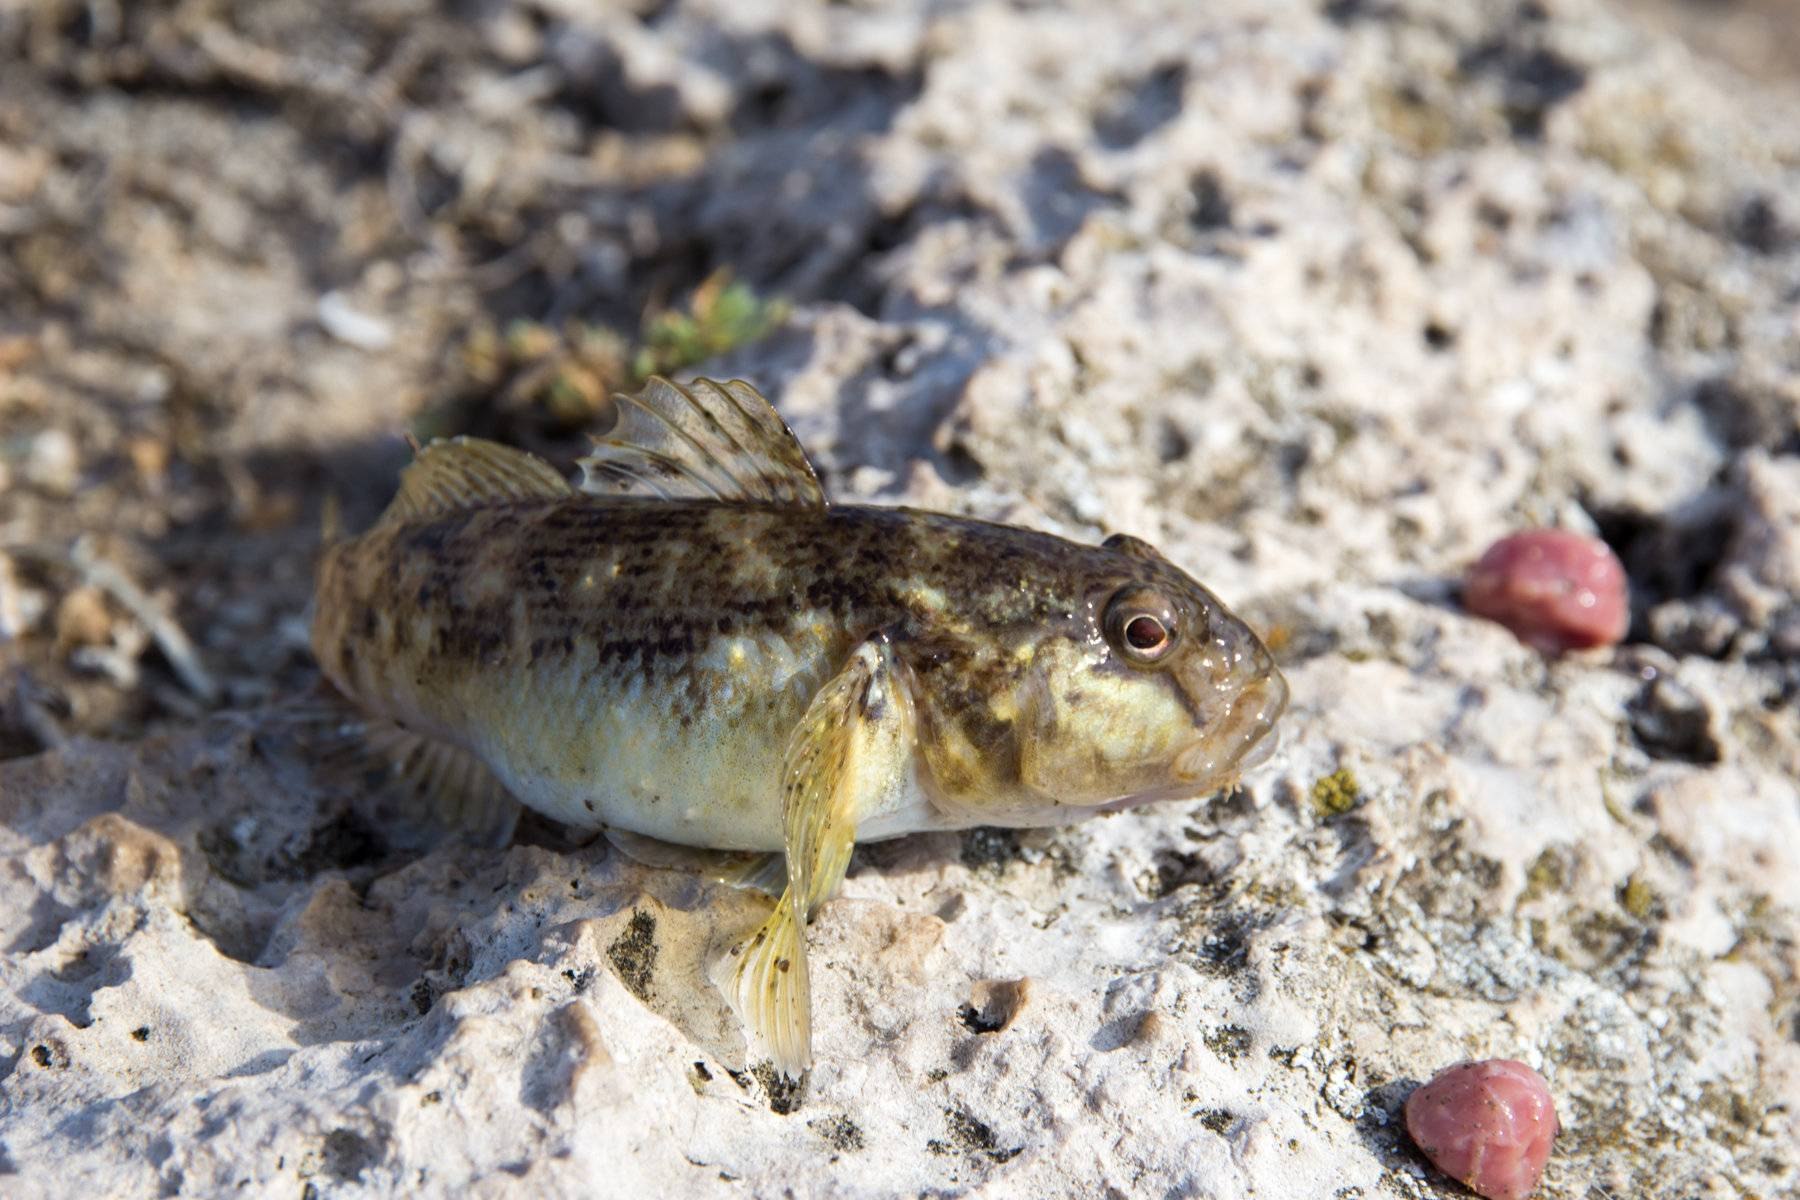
1320	298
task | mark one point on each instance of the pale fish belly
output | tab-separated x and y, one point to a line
592	748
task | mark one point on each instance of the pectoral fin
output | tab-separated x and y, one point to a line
852	748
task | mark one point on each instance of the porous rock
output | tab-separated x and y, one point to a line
1320	298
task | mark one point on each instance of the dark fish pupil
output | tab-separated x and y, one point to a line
1145	633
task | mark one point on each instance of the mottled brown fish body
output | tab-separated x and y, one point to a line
692	646
641	663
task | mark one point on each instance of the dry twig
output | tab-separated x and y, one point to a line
169	636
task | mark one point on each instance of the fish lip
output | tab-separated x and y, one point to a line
1244	738
1250	737
1260	748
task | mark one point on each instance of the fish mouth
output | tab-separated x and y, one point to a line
1245	738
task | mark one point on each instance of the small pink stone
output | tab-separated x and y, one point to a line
1554	589
1489	1124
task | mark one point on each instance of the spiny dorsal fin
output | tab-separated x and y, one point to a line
467	472
707	441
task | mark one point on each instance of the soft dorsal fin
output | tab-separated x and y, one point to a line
467	472
708	441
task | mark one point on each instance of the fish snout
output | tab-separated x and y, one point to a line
1258	711
1242	737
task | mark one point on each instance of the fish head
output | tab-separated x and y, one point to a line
1154	691
1142	688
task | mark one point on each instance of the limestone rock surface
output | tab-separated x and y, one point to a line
1321	299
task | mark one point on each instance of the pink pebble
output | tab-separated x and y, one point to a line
1554	589
1489	1124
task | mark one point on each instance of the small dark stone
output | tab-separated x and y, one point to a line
1704	626
989	847
1153	102
1058	197
1172	442
1667	555
1533	80
1344	12
1759	226
1212	207
1670	722
1743	414
633	955
975	1021
1494	216
1217	1120
994	1004
785	1095
973	1137
1225	950
840	1133
348	1154
1229	1042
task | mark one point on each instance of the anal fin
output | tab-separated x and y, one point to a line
444	787
760	871
429	789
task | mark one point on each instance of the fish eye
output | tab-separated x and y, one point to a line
1140	624
1145	634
